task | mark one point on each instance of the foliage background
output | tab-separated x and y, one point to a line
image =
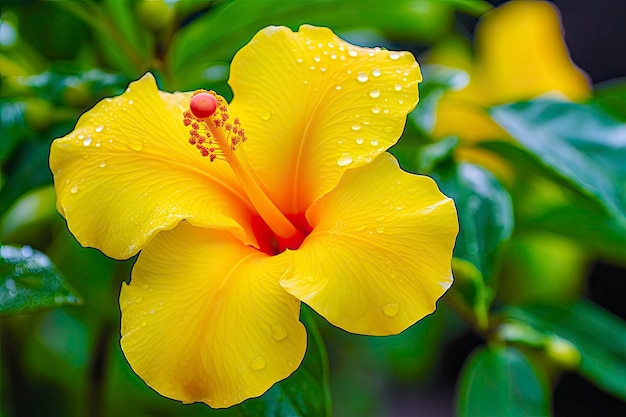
540	308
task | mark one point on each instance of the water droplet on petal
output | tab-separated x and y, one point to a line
344	160
316	59
138	300
388	129
279	332
74	189
391	309
352	53
338	88
359	141
99	129
265	115
87	141
257	363
376	72
394	55
135	145
375	93
356	126
362	77
397	87
102	164
309	278
374	142
375	110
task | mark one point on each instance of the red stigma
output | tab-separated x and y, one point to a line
203	105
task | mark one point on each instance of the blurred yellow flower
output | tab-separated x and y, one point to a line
242	211
520	54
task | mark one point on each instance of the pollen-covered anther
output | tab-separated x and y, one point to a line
211	130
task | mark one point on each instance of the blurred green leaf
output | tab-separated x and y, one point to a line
218	34
578	143
500	381
611	96
597	334
485	214
485	222
29	281
437	79
305	393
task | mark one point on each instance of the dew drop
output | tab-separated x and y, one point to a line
299	60
323	69
85	155
362	77
380	229
316	59
345	160
375	110
375	93
130	102
394	56
397	87
388	129
99	129
309	278
312	67
391	309
257	363
356	126
10	285
338	88
333	56
74	189
376	72
352	53
374	142
265	115
138	300
145	286
279	332
359	141
135	145
87	141
102	164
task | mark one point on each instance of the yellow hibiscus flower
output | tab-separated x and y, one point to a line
241	211
520	54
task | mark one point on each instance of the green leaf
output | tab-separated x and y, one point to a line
437	80
216	35
599	336
29	281
305	393
485	214
498	381
577	143
611	97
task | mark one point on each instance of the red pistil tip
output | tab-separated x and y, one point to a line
203	105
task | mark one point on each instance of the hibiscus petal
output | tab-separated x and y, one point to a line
378	257
521	49
314	106
204	318
127	172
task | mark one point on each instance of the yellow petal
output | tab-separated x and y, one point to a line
379	255
204	318
465	119
523	55
313	106
127	172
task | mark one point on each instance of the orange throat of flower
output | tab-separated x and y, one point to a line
214	135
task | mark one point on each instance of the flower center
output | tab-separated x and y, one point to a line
216	137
